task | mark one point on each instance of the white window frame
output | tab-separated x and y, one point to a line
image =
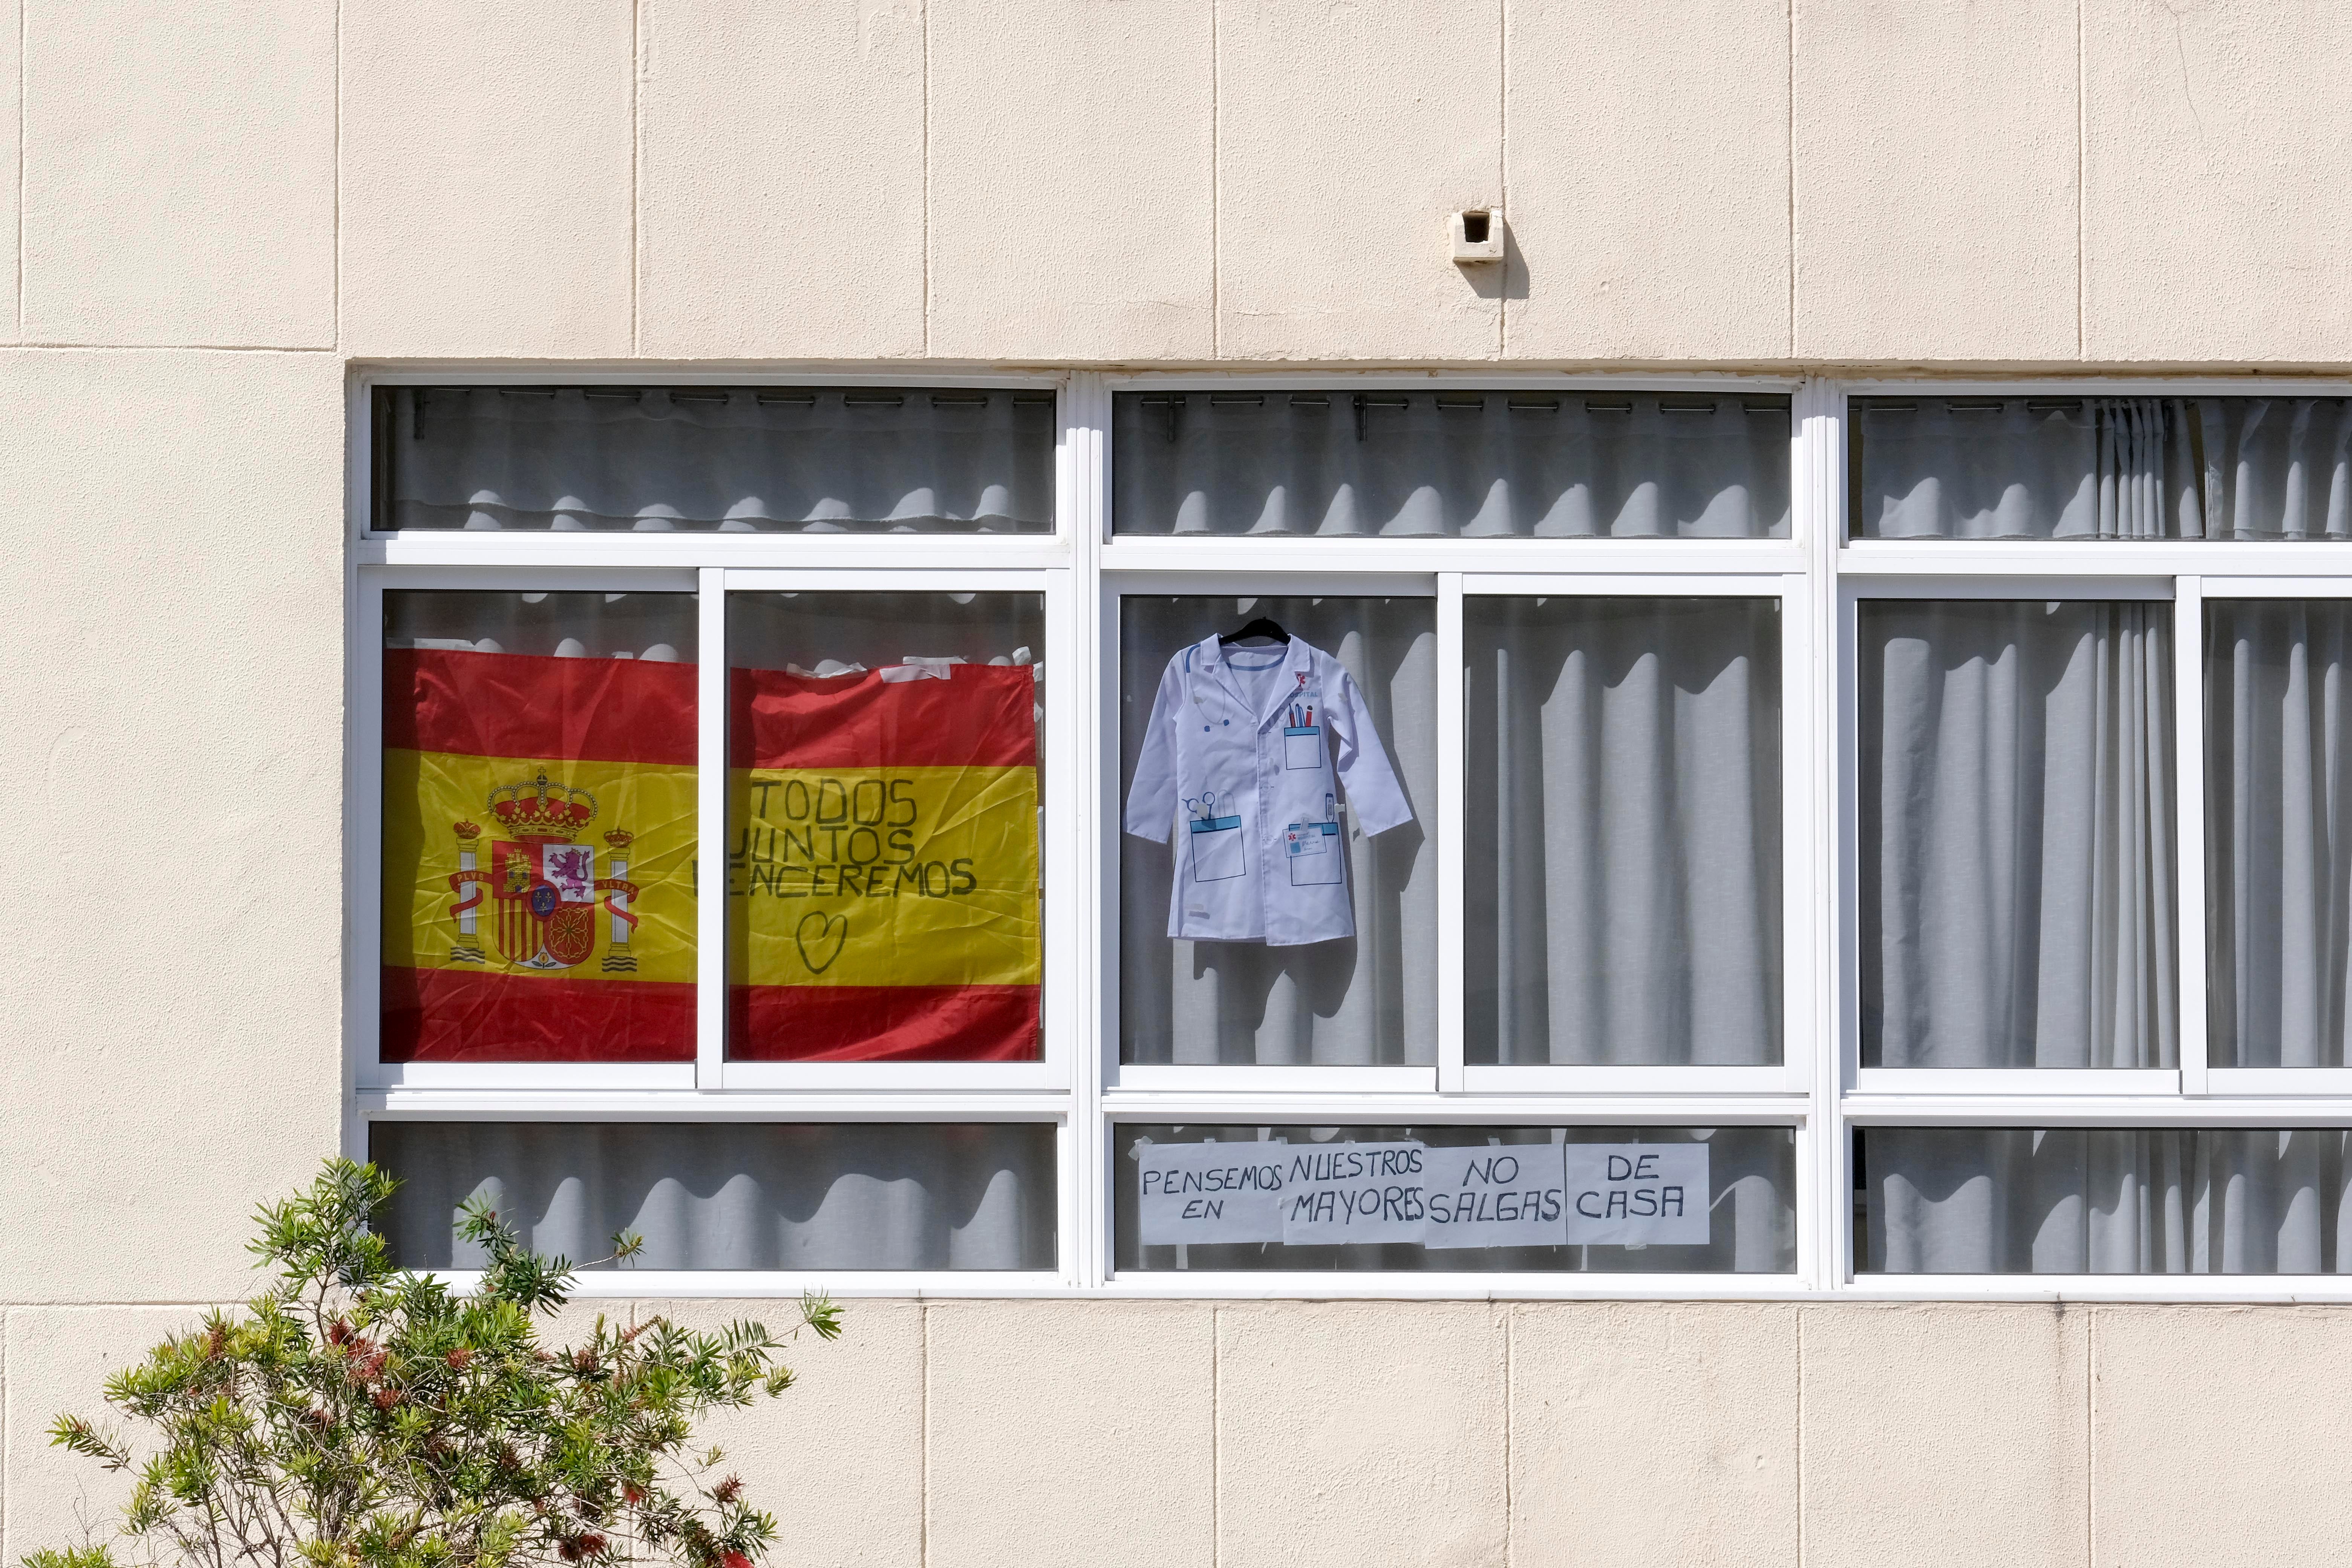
1084	567
2197	591
2188	572
1852	591
1219	564
1799	884
713	564
1059	847
1219	580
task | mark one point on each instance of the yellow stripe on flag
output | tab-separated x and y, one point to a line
884	876
427	795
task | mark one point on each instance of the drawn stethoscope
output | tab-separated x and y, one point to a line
1201	703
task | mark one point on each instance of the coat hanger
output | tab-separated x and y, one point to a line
1260	628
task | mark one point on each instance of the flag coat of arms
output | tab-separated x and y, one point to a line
882	865
538	857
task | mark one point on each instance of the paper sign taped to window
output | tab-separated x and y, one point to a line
1636	1194
1494	1196
1349	1195
1194	1192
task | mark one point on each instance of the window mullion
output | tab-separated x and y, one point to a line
1453	677
1089	1031
711	833
2189	838
1818	504
363	840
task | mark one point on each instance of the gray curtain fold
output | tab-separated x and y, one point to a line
2016	848
1974	1200
1369	1000
1464	464
2278	840
1751	1177
1624	905
725	459
2277	467
730	1194
2102	468
659	627
804	630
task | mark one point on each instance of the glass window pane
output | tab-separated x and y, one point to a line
742	459
2016	845
729	1195
2278	856
2074	1200
539	838
1277	889
1623	902
884	874
1462	463
1928	467
1618	1200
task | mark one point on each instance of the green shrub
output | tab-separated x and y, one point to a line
356	1416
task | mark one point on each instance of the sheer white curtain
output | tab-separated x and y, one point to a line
1751	1204
1563	465
1624	830
1366	1001
1975	1200
730	459
2278	837
2277	467
2016	847
657	626
2102	468
730	1194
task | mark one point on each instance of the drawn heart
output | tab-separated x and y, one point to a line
820	940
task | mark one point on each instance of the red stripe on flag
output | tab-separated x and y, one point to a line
982	716
883	1023
463	1016
542	709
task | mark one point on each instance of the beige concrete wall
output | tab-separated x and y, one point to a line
218	209
1871	182
1166	1435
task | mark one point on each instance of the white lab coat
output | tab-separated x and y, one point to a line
1247	785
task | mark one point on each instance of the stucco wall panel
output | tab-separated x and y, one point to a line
1346	135
1653	1432
11	191
838	1457
2217	1436
781	175
486	178
1944	1433
174	667
1642	230
1360	1432
57	1360
179	173
1936	152
2215	165
1070	180
1062	1438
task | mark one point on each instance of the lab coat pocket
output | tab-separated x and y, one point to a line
1217	848
1302	746
1314	853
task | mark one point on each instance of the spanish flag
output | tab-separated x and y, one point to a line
538	858
882	872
